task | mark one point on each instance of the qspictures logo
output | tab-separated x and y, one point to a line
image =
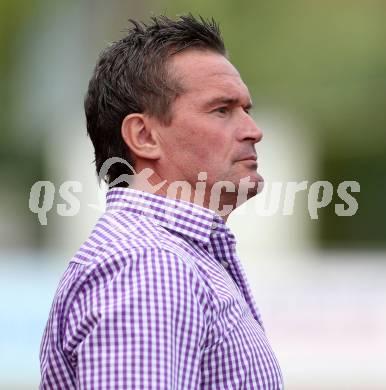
278	197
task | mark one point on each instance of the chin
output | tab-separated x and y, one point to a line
259	184
254	179
257	179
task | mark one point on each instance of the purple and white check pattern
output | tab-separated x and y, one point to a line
156	298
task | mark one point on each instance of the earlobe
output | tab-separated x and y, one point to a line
140	137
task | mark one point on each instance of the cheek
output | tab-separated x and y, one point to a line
203	142
190	139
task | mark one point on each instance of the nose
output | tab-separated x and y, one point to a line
250	130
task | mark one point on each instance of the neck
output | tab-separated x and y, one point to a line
148	181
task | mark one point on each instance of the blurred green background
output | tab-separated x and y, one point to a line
323	62
316	69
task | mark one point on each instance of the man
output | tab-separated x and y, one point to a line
156	298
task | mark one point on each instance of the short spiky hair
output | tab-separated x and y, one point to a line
131	75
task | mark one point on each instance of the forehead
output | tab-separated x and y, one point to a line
204	75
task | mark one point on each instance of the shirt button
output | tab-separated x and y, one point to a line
214	225
225	263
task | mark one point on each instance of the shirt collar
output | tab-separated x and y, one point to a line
187	219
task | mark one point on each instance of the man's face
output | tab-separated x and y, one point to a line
211	130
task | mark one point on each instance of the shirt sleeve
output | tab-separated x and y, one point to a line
144	327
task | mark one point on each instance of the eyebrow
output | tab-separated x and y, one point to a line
232	101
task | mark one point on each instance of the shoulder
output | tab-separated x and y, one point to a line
133	250
149	252
132	262
139	273
119	238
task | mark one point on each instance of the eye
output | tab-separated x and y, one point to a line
247	110
222	110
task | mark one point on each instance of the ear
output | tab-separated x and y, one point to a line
140	136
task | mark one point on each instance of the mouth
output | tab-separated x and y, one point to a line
250	162
251	158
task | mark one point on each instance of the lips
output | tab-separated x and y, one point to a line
252	157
